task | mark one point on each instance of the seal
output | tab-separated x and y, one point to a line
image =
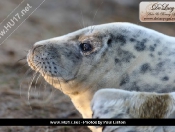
114	55
117	103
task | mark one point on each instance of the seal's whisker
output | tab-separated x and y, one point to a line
52	91
59	82
26	50
81	26
26	73
93	21
37	81
82	19
21	67
38	93
45	85
95	15
38	62
28	93
60	85
24	58
39	88
30	85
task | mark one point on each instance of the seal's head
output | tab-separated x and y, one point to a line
72	60
110	55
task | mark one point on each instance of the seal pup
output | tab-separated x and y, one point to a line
114	55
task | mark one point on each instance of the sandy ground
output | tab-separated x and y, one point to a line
53	18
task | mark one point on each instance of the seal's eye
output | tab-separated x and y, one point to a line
85	47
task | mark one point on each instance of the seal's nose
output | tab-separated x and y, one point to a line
41	44
37	45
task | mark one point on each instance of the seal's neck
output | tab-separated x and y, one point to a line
82	102
80	96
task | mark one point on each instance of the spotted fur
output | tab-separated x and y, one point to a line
115	103
123	56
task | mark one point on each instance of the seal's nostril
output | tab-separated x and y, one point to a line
35	47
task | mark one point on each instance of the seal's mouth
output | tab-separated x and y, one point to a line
30	62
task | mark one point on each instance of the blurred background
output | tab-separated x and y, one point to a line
53	18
